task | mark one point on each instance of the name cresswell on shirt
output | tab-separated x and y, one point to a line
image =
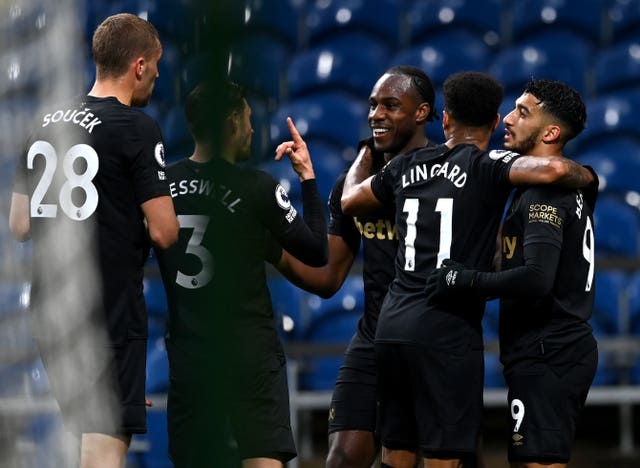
82	117
423	172
206	188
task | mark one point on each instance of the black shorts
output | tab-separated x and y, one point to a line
107	398
430	399
213	417
354	404
545	399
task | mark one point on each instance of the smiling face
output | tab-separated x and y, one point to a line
396	114
524	125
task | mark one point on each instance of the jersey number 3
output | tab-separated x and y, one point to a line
73	181
198	224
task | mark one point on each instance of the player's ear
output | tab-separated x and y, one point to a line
233	122
551	134
139	65
422	112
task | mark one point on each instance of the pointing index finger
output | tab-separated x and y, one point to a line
295	135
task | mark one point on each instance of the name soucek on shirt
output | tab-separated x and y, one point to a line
562	219
87	167
215	274
448	204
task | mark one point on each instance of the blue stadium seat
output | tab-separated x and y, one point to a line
328	164
617	67
617	163
481	19
157	365
97	10
286	299
194	70
624	20
331	321
175	133
258	62
514	66
335	21
617	227
336	117
175	19
491	320
282	19
348	68
533	17
493	376
608	115
633	291
155	297
445	52
166	86
610	302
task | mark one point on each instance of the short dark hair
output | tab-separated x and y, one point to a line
421	83
472	98
562	102
118	40
206	108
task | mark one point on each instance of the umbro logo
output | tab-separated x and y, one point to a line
451	278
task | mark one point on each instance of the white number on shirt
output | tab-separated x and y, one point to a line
517	413
587	252
445	207
198	224
73	181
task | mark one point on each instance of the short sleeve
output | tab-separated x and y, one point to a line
383	182
148	165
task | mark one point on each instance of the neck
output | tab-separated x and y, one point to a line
113	88
201	154
479	138
420	140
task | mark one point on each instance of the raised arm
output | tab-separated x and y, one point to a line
357	196
558	170
307	241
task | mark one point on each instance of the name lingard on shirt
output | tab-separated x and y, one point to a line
82	117
206	188
425	171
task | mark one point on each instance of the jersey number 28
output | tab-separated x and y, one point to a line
73	180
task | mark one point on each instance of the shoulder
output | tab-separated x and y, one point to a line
501	155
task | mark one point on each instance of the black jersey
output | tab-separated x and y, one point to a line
379	244
87	167
561	219
448	204
215	274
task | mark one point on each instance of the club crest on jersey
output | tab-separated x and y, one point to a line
158	152
504	155
282	198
